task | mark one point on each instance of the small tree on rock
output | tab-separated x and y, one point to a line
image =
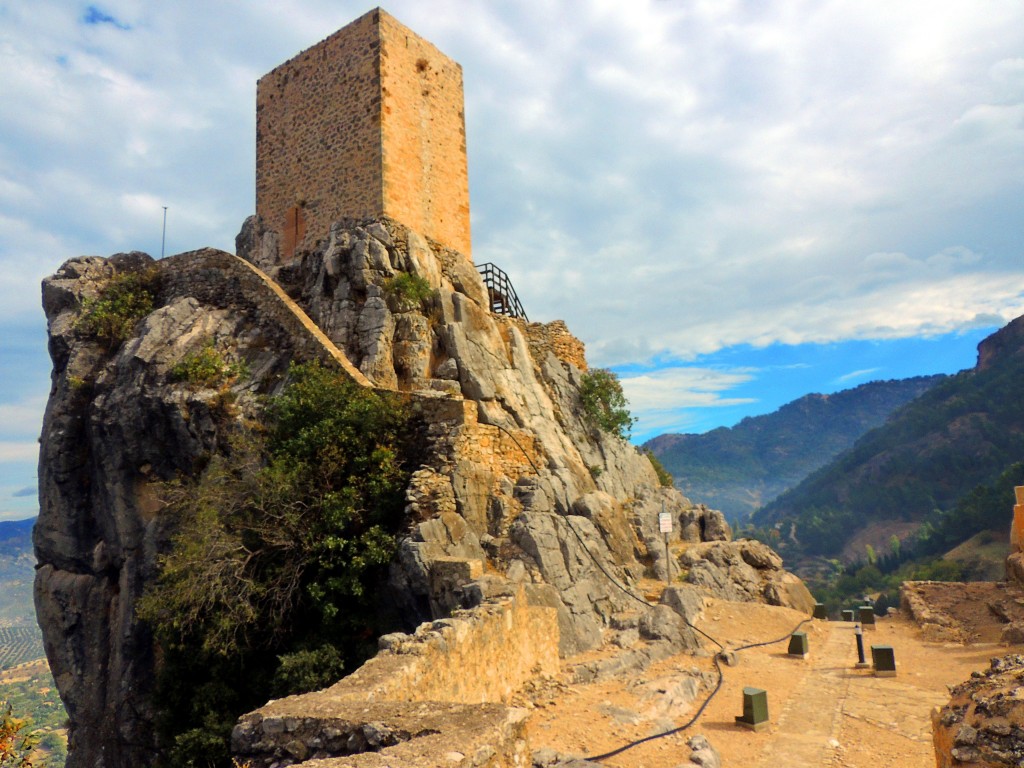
604	402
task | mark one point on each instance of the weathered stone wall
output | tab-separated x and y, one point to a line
484	654
1015	560
423	132
554	337
479	657
318	151
218	279
367	123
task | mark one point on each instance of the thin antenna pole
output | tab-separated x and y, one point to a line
163	236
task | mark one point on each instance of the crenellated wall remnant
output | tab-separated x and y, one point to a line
554	337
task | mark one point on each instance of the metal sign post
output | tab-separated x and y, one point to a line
665	525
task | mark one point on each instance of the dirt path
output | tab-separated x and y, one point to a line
822	710
810	719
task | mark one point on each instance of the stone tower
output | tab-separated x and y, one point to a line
367	123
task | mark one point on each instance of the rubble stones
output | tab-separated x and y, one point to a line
983	723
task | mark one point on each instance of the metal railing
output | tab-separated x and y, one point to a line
502	295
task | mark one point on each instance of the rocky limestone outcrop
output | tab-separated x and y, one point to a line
518	489
533	486
743	571
982	726
115	427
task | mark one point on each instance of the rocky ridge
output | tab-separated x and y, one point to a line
519	493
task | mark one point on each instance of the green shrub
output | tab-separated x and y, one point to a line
406	291
79	385
666	479
305	671
202	747
604	403
123	301
205	368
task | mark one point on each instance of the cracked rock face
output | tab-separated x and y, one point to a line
983	723
116	426
518	488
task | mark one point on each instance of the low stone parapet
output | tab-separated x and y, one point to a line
435	697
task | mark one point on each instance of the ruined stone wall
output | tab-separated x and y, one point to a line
1015	560
482	655
555	337
488	458
466	668
218	279
367	123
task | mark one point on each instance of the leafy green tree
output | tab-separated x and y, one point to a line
268	585
869	551
604	402
895	545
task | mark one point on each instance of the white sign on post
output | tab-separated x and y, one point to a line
665	522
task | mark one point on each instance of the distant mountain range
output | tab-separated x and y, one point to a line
951	447
17	571
739	469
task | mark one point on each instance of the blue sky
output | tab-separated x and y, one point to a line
731	203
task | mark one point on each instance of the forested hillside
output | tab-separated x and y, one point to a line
932	455
739	469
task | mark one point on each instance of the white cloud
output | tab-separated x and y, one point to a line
853	375
670	178
18	452
23	418
660	398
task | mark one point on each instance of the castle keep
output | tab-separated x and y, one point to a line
365	124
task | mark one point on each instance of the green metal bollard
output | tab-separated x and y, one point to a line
755	709
867	616
884	660
798	645
847	615
820	612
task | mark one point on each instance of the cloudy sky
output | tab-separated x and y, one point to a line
731	203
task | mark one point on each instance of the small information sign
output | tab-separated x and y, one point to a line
665	522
